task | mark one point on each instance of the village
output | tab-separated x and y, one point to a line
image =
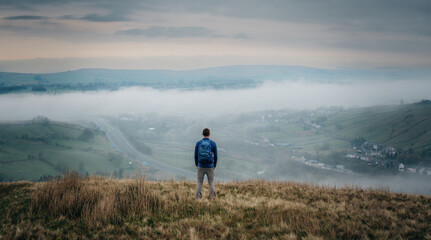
374	154
378	154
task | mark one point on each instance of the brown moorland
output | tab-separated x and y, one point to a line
102	208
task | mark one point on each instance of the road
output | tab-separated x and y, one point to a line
121	144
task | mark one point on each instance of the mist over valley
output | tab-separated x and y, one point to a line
300	130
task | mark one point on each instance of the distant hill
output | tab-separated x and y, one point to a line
403	126
217	78
101	208
40	149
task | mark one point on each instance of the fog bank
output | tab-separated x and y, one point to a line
271	95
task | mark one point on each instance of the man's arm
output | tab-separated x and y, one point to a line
196	154
215	155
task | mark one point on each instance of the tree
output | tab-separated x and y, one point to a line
358	141
38	89
325	146
115	159
86	135
40	120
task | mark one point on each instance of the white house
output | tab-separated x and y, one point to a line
340	167
401	167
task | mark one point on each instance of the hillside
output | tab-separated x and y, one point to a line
269	143
403	126
99	208
227	77
35	149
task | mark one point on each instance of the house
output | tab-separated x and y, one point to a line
412	170
425	171
340	167
401	167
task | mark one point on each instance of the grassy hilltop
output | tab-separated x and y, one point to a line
100	208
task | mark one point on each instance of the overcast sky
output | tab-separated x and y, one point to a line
56	35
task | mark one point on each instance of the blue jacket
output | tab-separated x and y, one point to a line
213	156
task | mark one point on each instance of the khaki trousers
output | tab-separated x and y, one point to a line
210	176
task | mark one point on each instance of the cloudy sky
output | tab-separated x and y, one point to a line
56	35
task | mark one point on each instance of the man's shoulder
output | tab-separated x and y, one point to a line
200	141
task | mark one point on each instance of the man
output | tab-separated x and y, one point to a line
206	162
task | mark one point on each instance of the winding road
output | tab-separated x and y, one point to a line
121	144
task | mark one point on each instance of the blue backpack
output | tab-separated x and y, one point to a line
204	151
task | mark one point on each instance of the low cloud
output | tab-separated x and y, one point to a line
241	36
95	17
178	32
170	32
26	17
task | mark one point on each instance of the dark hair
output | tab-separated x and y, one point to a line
206	132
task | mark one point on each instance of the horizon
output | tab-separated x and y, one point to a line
224	66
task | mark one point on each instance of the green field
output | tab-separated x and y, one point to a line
402	126
31	150
293	133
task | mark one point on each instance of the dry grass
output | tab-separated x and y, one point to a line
99	208
94	200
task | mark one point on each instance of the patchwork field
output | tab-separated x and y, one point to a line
402	126
31	150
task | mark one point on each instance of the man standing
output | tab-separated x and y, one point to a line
206	162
